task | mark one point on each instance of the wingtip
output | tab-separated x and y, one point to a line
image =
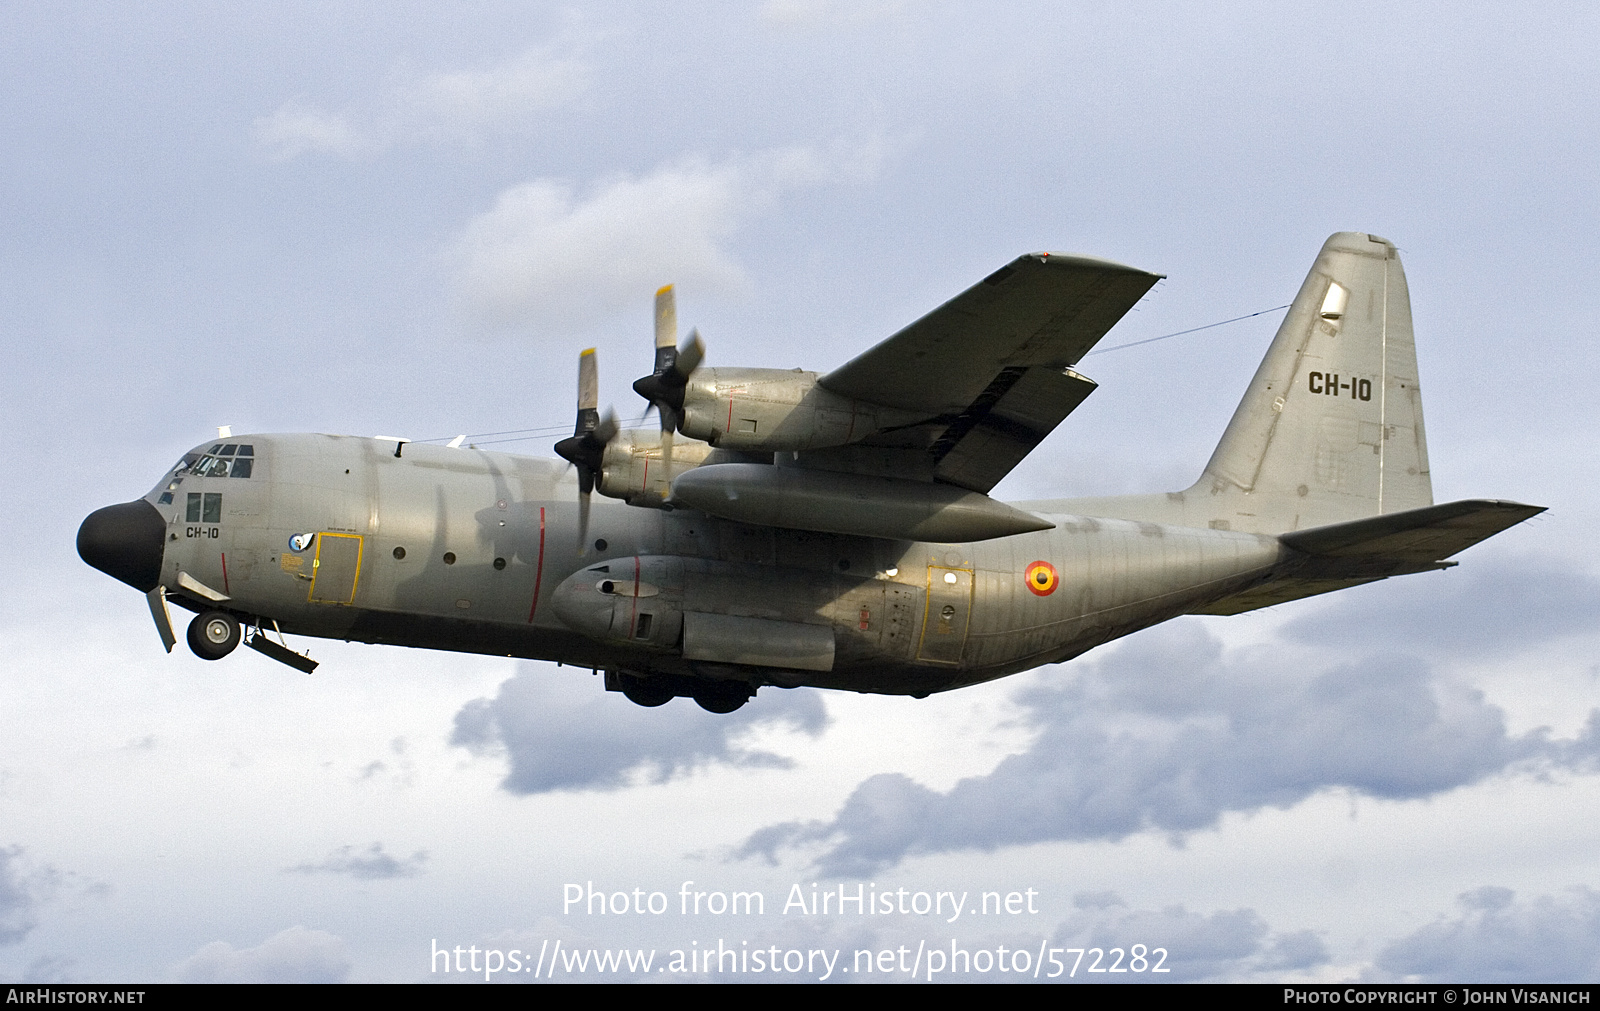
1082	260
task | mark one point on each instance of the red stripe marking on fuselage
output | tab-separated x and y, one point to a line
633	621
538	573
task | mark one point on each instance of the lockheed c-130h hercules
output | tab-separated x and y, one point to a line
787	528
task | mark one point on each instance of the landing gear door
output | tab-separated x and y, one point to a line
335	568
944	628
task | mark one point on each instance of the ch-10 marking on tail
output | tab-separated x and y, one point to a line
787	528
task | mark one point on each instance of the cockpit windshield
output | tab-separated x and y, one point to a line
225	459
222	460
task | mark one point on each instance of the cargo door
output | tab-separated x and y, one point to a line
944	627
335	568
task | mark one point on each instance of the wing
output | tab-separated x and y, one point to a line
989	368
1040	310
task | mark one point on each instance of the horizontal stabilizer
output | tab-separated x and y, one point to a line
1429	534
1340	555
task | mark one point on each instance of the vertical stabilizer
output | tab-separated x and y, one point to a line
1331	426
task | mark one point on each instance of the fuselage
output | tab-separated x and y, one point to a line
461	549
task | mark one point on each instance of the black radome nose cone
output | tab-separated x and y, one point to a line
125	541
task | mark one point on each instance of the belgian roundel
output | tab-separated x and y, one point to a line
1041	579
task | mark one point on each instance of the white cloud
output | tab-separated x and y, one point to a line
551	257
296	955
294	130
468	101
816	12
457	106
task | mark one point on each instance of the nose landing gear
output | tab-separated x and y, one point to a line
213	635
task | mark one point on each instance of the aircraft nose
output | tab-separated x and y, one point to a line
125	541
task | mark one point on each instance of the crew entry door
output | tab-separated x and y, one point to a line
944	628
335	568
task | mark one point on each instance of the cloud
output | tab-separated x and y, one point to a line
1228	944
561	735
460	106
1474	611
296	955
371	864
549	256
1496	939
294	130
834	12
21	894
1168	733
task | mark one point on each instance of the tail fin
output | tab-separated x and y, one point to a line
1331	427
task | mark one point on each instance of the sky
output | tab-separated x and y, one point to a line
409	220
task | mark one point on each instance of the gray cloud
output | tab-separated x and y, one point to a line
296	955
565	733
1227	944
370	864
1497	939
1487	610
1167	733
21	893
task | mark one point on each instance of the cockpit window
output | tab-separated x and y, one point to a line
203	508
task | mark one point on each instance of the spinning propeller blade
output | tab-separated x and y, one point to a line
586	448
664	387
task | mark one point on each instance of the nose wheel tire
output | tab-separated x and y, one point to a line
213	635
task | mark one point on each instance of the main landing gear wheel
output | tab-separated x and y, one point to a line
643	693
721	702
213	635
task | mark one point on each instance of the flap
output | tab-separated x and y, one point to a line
993	435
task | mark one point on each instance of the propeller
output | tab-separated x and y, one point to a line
664	387
586	448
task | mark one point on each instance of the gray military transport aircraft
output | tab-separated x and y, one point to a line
786	528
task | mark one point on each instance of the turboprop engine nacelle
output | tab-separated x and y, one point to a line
777	410
635	470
